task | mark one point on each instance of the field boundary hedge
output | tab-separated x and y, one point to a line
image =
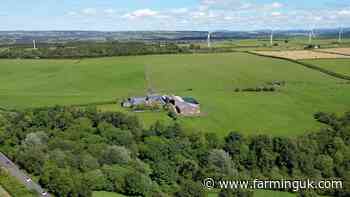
307	65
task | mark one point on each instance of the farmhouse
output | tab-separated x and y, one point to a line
146	101
186	106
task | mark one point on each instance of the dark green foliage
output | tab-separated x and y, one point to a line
91	49
139	184
74	151
190	189
235	193
257	89
172	115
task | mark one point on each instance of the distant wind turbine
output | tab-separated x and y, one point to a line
341	31
209	39
312	30
271	37
311	35
34	44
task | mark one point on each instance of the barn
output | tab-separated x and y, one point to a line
186	106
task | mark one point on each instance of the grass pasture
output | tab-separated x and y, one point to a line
269	193
341	66
213	77
33	83
210	78
264	193
106	194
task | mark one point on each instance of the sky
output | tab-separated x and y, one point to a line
168	15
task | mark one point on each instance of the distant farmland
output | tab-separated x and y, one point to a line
302	54
341	66
210	78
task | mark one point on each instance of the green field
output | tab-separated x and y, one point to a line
341	66
32	83
258	193
106	194
211	78
265	193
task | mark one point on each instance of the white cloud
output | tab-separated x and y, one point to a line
141	13
246	5
220	14
198	14
210	2
344	12
179	10
276	5
109	11
222	4
228	18
276	14
89	11
71	13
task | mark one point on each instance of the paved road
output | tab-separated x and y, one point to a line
14	171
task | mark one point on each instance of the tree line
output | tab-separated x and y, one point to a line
104	49
74	151
90	49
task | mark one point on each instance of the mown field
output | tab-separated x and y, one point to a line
341	66
210	78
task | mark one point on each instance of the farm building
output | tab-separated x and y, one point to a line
186	106
146	101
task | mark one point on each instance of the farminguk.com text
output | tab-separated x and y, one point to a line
295	185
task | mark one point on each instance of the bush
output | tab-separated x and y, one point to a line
172	115
257	89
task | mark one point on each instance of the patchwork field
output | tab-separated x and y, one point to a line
210	78
263	43
302	54
345	51
341	66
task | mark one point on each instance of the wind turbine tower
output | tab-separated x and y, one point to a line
271	38
340	35
34	44
209	39
311	35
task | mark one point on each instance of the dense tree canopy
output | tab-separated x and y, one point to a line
91	49
74	151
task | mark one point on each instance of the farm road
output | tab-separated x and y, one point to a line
14	171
